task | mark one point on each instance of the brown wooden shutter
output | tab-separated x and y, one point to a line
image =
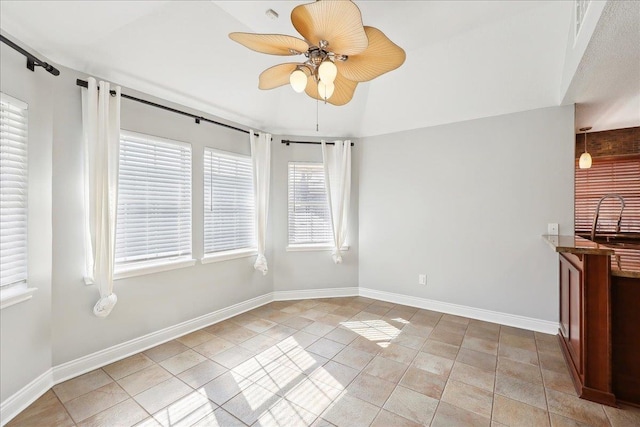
617	175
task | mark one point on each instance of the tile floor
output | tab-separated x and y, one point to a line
341	361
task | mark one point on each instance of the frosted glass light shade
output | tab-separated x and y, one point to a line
327	71
325	89
298	80
585	161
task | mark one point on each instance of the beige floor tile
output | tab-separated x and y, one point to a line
81	385
349	411
385	369
473	376
148	422
46	410
201	373
399	353
485	334
318	328
164	351
522	371
625	416
183	361
468	397
259	325
95	401
221	327
549	346
410	341
124	414
280	332
558	381
128	366
233	356
441	349
389	419
297	322
342	335
560	421
332	319
313	396
510	330
302	360
277	316
513	413
280	379
299	340
251	403
163	394
423	382
578	409
371	389
552	362
219	418
285	414
237	335
518	354
185	411
364	344
411	405
525	343
195	338
418	331
353	358
145	379
478	359
325	348
213	347
448	415
224	387
455	319
259	343
335	374
436	365
479	344
522	391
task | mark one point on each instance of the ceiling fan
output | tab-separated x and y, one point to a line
340	51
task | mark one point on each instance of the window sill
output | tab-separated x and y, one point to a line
142	269
228	255
309	248
10	297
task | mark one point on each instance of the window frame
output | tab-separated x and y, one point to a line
225	255
155	265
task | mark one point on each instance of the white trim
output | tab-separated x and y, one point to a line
141	269
145	137
24	397
117	352
227	255
507	319
8	99
12	297
315	293
309	247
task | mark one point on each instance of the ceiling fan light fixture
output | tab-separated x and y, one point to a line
327	71
298	80
325	89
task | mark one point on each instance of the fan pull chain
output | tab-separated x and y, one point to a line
317	102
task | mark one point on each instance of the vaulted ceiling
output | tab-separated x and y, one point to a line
465	59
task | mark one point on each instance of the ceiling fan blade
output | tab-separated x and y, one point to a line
343	92
276	76
381	56
273	44
337	21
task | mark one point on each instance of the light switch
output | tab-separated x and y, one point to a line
552	229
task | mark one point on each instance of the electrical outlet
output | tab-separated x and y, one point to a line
422	279
552	229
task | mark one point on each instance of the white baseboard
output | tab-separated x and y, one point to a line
315	293
529	323
17	402
120	351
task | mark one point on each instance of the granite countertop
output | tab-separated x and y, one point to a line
624	262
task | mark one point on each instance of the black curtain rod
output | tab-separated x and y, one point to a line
198	119
286	141
32	61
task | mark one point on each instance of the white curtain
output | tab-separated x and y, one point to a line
337	173
261	158
101	144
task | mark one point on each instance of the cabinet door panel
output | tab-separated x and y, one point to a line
564	299
575	317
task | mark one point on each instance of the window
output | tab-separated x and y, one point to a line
13	193
229	207
154	202
618	175
309	218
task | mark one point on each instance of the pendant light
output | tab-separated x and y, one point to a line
585	158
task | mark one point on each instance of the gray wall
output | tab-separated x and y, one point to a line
314	269
466	204
25	350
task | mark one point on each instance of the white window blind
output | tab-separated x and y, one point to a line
229	206
309	218
13	191
154	199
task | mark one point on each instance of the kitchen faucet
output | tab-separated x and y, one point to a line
595	218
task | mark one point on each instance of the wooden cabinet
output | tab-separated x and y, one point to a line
585	324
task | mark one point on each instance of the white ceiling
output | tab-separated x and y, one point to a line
465	59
